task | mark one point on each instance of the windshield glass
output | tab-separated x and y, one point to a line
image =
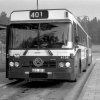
39	35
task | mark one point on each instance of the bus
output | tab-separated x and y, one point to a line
46	44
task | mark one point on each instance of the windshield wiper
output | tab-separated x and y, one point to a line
25	52
50	53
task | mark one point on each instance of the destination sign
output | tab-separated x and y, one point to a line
38	14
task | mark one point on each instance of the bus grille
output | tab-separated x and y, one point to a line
46	64
49	64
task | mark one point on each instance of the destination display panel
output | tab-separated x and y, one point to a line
38	14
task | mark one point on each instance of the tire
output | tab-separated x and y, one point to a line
86	65
76	73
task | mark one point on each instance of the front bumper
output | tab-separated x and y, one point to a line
27	73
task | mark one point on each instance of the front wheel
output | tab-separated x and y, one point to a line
76	72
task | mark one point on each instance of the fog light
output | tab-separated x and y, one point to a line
61	64
11	64
16	64
67	64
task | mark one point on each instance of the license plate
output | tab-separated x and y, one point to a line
38	70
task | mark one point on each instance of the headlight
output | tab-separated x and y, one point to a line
16	64
11	64
67	64
61	64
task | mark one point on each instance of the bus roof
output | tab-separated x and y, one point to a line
40	15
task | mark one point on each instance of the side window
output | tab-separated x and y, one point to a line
79	34
75	33
82	36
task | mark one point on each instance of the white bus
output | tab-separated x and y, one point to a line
46	44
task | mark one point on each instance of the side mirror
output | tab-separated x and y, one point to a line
76	39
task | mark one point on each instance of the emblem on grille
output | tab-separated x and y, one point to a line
38	62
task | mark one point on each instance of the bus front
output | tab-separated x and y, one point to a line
39	48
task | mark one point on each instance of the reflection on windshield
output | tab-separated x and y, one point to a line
44	35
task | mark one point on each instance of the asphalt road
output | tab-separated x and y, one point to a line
40	90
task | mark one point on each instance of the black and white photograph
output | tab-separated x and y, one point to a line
49	49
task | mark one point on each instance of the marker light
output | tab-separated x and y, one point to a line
67	64
16	55
11	64
61	64
16	64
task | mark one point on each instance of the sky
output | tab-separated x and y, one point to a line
90	8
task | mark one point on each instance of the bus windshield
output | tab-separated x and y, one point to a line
39	35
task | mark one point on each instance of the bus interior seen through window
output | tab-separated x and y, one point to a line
44	35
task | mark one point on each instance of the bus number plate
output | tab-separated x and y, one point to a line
38	14
38	70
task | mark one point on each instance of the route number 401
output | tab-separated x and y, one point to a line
38	14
